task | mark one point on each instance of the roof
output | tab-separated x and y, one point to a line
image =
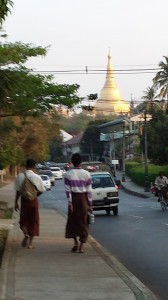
115	122
76	139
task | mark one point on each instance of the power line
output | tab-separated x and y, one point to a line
99	71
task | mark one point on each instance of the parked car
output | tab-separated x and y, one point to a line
105	192
57	172
46	182
50	175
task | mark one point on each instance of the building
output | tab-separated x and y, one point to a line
110	101
72	146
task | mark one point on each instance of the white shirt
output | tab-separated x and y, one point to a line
161	181
33	177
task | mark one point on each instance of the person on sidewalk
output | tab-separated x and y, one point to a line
29	214
78	191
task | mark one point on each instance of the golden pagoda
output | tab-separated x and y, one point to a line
110	100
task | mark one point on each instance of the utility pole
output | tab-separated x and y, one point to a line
146	153
123	164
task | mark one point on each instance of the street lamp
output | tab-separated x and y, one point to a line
123	164
112	149
146	153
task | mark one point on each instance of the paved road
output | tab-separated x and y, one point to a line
137	237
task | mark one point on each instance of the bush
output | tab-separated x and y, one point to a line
136	171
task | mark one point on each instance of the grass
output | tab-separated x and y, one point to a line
3	237
5	213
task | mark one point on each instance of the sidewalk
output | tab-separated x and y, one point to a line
130	187
51	271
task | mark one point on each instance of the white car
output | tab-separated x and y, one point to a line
57	172
63	171
46	182
104	192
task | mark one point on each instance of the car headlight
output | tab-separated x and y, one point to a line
112	194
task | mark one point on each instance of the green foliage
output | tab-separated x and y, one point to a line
157	136
90	143
55	152
161	79
5	9
92	96
77	123
24	93
136	171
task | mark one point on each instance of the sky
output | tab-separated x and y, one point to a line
81	32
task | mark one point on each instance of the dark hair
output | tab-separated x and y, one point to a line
30	163
76	159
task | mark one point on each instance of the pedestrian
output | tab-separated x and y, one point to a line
29	213
78	191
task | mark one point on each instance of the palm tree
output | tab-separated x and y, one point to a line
150	104
161	80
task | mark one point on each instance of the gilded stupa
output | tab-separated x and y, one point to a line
110	101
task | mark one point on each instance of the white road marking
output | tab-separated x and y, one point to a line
137	217
165	224
139	206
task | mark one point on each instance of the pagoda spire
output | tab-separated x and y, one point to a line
110	100
110	81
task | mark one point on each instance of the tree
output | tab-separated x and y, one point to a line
24	93
161	79
157	136
75	124
5	9
150	105
90	144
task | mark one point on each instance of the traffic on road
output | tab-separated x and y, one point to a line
137	236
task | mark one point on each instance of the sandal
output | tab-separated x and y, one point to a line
24	241
30	247
81	251
74	248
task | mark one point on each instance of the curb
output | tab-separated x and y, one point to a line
128	191
140	291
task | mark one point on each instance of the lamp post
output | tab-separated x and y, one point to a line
112	150
146	153
123	164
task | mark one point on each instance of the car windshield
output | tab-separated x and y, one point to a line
102	180
55	169
44	177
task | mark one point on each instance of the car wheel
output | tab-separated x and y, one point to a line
115	210
108	211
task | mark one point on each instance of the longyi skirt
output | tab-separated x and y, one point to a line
77	222
29	216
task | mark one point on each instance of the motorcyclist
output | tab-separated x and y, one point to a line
161	181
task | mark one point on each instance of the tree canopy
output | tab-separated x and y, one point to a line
5	9
24	93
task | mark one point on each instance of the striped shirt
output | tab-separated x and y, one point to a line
78	180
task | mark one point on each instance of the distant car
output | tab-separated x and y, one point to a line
57	172
91	168
63	171
46	182
50	175
104	192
